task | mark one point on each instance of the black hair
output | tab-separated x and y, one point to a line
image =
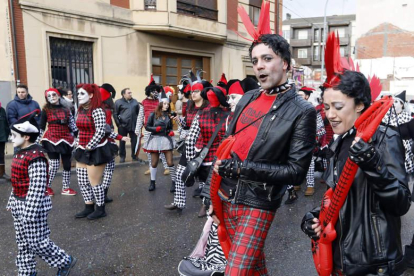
277	43
355	85
33	137
23	86
123	91
151	88
62	91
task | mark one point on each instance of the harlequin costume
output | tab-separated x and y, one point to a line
160	140
30	204
147	106
192	83
93	152
203	126
108	92
58	140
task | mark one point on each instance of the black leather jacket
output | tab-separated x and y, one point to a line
126	113
368	229
164	122
280	155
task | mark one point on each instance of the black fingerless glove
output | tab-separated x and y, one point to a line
307	229
364	155
230	168
206	202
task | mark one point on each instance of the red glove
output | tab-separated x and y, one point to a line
158	129
171	133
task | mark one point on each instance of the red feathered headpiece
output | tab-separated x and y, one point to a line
335	66
263	26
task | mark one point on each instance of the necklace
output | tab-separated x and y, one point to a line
281	88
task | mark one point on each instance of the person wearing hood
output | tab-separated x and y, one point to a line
29	203
59	138
22	104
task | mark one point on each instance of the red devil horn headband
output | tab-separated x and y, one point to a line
264	22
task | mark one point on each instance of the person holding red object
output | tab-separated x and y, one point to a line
366	229
59	138
160	127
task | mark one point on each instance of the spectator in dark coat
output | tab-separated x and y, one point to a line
4	136
125	116
22	104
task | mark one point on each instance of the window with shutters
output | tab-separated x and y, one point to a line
168	68
206	9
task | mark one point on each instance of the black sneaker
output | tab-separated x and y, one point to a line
63	271
292	197
197	192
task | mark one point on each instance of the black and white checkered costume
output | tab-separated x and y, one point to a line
392	120
107	175
190	144
85	185
147	134
30	223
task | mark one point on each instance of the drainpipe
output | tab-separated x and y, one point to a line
16	56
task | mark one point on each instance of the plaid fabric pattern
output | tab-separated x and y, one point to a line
149	107
310	176
19	169
32	237
57	133
53	168
247	228
208	121
180	193
91	128
84	184
98	192
66	179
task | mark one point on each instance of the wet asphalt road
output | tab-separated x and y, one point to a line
140	237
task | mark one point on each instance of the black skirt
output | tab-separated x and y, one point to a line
61	148
96	157
183	160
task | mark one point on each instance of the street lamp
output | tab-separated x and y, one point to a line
323	42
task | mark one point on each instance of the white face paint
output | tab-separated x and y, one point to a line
233	100
52	97
398	106
17	139
83	96
180	96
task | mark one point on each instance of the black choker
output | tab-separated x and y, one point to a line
281	88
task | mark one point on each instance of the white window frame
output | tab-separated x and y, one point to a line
303	53
303	34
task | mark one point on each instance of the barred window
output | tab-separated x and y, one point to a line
201	8
150	4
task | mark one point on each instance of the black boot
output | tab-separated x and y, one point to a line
89	208
99	213
197	192
151	186
172	189
409	256
107	199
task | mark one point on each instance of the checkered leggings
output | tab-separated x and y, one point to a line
180	193
53	168
107	175
247	228
89	192
310	176
32	239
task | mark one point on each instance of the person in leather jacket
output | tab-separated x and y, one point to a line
368	238
160	140
275	133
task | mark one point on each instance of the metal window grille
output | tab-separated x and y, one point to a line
71	62
201	8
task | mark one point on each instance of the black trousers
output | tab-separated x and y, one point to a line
124	132
2	147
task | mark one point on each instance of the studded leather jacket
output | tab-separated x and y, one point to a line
280	155
368	229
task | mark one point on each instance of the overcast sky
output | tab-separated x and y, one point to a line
314	8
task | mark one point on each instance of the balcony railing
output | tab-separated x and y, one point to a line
195	10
